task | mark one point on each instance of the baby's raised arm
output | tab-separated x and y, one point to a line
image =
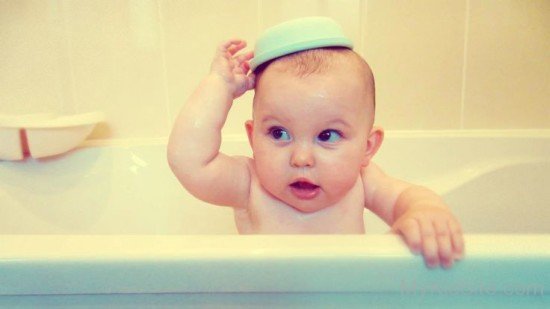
194	144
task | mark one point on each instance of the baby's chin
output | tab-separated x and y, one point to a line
308	207
307	202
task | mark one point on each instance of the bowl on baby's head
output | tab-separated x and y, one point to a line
298	35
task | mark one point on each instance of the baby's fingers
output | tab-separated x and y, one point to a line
228	48
242	62
456	238
443	237
227	44
429	243
251	81
245	57
234	48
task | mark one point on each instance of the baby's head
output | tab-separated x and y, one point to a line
312	128
322	60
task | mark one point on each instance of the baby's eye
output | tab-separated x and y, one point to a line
330	136
279	134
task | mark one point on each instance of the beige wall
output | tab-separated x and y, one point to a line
470	64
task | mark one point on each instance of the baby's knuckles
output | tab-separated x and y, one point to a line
437	217
410	228
235	82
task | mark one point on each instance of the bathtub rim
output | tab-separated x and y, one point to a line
106	264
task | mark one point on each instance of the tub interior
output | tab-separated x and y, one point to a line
61	221
495	183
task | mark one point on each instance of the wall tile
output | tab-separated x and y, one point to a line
32	58
508	65
138	61
415	49
192	30
117	65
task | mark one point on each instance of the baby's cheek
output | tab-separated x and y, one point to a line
341	177
269	165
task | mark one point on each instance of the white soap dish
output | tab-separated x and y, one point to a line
43	135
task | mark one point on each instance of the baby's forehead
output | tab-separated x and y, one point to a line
317	62
320	60
330	60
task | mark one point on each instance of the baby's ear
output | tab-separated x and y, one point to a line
374	141
249	125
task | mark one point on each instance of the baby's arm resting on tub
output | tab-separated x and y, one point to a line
418	214
194	144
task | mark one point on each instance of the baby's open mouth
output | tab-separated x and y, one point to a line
304	189
303	185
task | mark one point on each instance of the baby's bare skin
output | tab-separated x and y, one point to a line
266	214
313	140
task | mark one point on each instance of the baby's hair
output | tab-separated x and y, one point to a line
319	60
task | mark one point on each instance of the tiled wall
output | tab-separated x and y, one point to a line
456	64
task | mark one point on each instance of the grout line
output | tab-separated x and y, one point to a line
164	67
464	63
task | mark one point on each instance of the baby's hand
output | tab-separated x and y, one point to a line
233	69
434	231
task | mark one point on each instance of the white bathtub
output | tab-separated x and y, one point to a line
108	225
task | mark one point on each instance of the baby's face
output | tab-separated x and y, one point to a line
310	135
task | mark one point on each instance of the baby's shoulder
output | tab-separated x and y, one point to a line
373	177
371	172
249	164
244	161
255	187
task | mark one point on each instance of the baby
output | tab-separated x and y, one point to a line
313	139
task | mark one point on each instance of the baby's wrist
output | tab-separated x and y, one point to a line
218	83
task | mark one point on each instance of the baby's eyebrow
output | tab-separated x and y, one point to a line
339	121
270	118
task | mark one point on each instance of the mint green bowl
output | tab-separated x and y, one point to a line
298	35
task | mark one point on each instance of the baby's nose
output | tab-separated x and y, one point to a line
302	156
